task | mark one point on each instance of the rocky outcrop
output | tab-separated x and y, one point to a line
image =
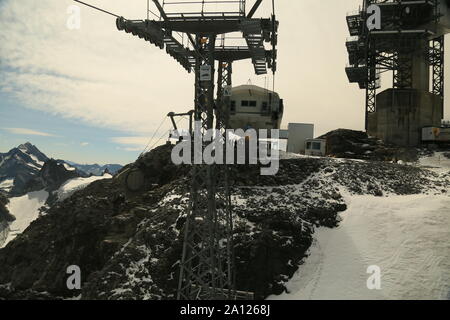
4	213
5	218
351	144
52	175
128	244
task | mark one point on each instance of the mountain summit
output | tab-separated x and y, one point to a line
19	165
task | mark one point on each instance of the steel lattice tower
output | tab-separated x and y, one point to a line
206	266
409	29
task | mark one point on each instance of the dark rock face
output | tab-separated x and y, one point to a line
128	244
4	213
158	165
5	218
51	177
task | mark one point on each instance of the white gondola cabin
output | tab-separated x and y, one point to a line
255	107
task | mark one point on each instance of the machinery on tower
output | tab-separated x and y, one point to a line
408	40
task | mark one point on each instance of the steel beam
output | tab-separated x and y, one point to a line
254	8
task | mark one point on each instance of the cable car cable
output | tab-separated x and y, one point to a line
154	134
96	8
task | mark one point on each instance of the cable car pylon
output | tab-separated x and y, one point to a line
207	262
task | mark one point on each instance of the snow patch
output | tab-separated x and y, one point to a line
7	184
35	159
438	163
69	168
72	185
25	209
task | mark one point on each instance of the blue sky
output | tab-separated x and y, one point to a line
95	94
60	138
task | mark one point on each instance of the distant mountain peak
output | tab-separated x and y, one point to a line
22	164
19	165
96	169
27	144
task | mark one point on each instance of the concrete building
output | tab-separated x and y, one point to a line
298	133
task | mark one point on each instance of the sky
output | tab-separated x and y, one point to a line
97	95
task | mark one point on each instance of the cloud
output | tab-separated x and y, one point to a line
84	144
138	143
108	78
30	132
96	74
130	149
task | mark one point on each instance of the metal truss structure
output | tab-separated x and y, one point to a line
437	64
392	48
206	267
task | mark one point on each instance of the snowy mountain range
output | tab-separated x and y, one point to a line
95	169
29	181
21	165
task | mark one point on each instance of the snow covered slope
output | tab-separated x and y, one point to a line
407	237
72	185
25	209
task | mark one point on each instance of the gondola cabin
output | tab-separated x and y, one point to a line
255	107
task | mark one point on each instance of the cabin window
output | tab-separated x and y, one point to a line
233	106
316	145
264	106
308	145
247	103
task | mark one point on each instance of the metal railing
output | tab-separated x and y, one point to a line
200	8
